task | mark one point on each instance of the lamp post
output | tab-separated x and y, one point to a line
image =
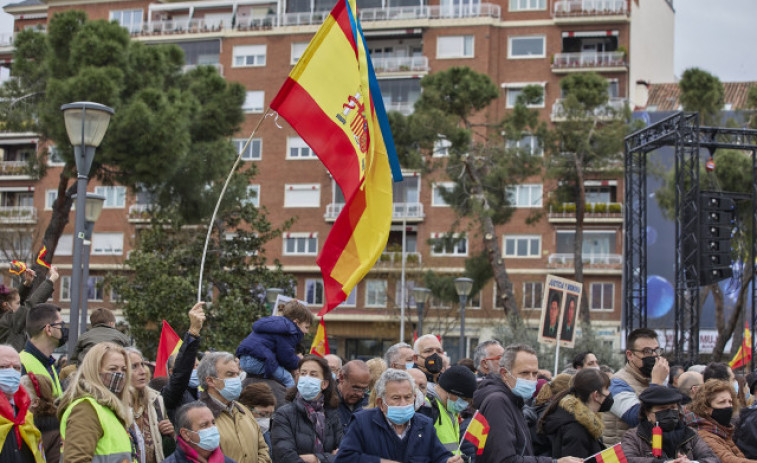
421	296
86	124
271	294
463	286
93	208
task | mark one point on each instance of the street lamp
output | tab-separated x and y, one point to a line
463	286
271	294
421	296
86	124
93	208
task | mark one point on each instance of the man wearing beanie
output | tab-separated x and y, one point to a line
453	394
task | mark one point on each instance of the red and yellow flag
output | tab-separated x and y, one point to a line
744	355
332	99
612	455
41	257
169	344
477	431
17	267
320	346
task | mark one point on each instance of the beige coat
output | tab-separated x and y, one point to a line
241	439
614	426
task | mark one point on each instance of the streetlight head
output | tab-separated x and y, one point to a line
463	286
86	122
271	294
421	295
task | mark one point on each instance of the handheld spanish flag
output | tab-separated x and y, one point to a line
744	355
169	344
477	431
333	101
612	455
657	441
17	267
320	346
41	257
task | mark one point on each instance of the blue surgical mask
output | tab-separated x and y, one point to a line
736	386
400	414
456	406
309	387
231	389
194	381
409	365
210	439
524	388
9	380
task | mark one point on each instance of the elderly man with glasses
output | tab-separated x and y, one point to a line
644	367
352	386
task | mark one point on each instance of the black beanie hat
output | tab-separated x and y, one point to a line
458	380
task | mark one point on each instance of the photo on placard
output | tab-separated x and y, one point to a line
551	321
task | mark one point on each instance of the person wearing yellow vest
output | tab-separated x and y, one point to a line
452	394
94	410
20	440
46	331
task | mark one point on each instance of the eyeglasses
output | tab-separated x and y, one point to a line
262	414
58	325
493	358
647	351
357	389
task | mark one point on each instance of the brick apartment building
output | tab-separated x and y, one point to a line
256	42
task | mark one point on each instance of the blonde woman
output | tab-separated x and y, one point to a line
94	410
376	366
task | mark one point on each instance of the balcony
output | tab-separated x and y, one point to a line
183	26
604	61
594	213
412	212
189	67
397	64
18	215
580	10
140	213
14	169
591	261
6	40
609	111
394	259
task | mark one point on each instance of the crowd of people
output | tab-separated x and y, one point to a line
268	403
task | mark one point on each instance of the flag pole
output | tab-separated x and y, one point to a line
462	437
218	204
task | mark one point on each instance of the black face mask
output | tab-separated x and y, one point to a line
647	363
433	363
722	415
667	419
64	336
606	404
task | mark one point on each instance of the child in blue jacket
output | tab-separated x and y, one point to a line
270	349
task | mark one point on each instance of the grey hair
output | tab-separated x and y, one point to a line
392	352
391	374
508	358
182	421
208	364
480	353
133	350
417	343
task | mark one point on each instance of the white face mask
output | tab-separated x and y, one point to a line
419	399
264	423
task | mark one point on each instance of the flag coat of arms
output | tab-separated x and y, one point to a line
332	99
169	344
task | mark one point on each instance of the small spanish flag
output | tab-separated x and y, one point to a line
41	257
612	455
17	267
744	355
169	344
657	441
477	431
320	346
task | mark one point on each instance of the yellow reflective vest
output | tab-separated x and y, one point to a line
115	444
32	364
447	429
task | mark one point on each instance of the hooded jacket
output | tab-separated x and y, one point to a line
273	340
573	429
509	440
718	437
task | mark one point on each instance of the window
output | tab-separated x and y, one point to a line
351	300
298	48
65	246
456	245
301	244
65	287
253	102
597	243
50	197
602	296
529	144
95	289
298	149
513	91
375	293
527	47
249	55
107	244
254	149
436	199
129	19
454	46
115	196
253	195
54	157
532	292
525	195
114	296
302	195
522	246
528	5
314	292
441	148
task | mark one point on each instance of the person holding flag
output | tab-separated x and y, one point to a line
15	303
452	395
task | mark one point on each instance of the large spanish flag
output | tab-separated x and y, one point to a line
169	344
333	101
744	355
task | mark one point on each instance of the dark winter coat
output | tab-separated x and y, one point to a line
95	335
345	413
293	434
509	440
13	324
637	447
573	430
177	392
273	340
370	438
746	432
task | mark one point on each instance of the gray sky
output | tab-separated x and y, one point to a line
718	36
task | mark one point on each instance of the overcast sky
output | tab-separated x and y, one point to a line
716	35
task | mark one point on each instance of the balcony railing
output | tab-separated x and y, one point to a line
140	212
593	260
13	167
18	214
404	107
393	258
400	64
410	211
189	67
592	209
590	7
609	110
601	59
6	40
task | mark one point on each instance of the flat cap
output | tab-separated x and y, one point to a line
660	395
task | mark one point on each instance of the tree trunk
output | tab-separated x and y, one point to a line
578	244
725	330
